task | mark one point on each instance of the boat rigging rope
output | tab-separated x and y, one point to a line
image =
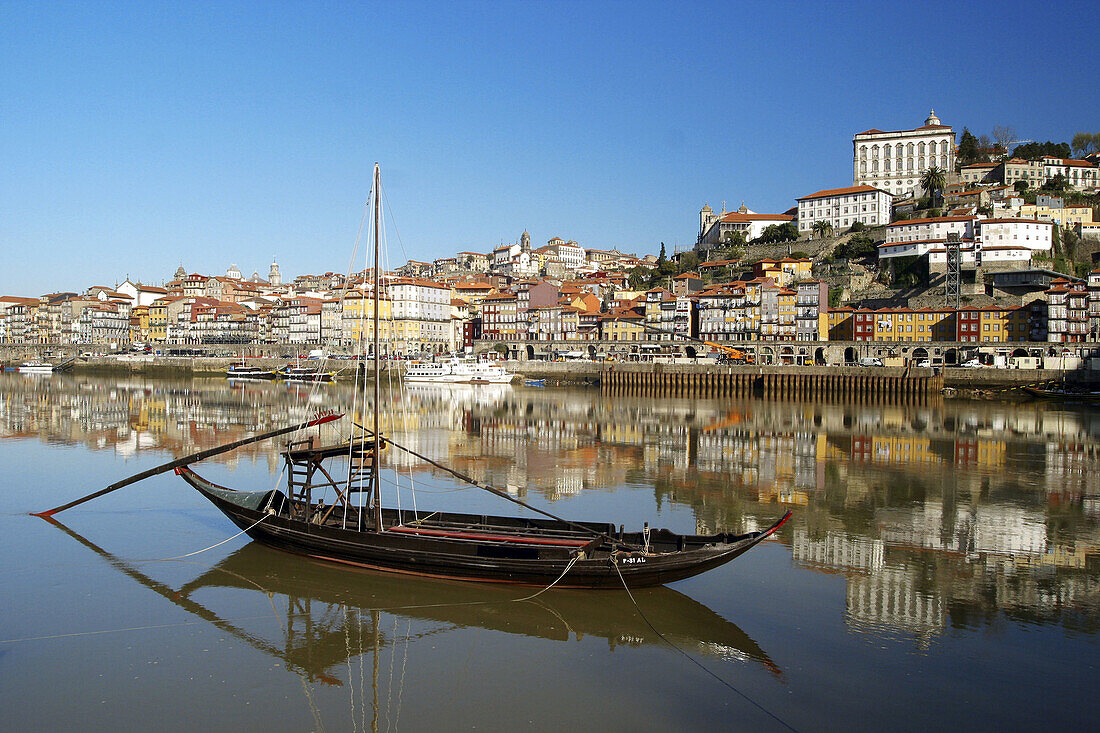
695	661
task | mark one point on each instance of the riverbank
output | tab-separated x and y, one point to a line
970	382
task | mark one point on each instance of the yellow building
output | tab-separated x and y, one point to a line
139	323
892	324
784	271
1069	216
158	319
839	322
358	319
623	326
997	324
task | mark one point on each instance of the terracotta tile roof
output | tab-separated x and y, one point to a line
929	220
735	217
1013	221
840	192
472	286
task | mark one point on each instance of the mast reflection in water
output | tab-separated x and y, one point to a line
936	532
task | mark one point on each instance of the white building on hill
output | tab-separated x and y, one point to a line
895	160
714	227
842	207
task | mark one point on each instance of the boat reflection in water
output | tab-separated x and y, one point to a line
331	615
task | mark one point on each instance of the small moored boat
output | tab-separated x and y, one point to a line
1062	394
35	367
243	371
292	373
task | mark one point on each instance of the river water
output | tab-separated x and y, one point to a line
941	569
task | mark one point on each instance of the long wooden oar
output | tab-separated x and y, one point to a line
193	458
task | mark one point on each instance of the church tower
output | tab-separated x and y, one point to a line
525	240
274	277
706	218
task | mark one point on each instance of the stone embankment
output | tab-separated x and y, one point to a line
663	379
659	378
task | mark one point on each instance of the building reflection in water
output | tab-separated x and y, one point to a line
936	515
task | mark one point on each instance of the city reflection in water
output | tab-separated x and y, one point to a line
943	515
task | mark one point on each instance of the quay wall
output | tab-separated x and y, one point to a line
643	377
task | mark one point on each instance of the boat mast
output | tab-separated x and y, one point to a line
375	466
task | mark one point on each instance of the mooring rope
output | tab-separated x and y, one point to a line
695	661
199	552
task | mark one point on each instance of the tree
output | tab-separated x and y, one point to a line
774	233
688	261
822	228
1004	135
933	181
1058	183
1085	143
1020	185
733	239
1034	151
858	246
661	259
968	148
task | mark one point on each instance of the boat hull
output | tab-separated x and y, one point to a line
462	557
1057	394
250	373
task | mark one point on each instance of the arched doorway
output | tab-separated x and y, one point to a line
786	355
530	351
767	355
819	356
951	356
850	355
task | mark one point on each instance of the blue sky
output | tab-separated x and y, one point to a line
138	136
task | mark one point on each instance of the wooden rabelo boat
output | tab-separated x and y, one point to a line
244	371
531	551
296	373
1061	394
355	529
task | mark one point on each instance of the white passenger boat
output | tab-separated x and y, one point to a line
456	371
35	367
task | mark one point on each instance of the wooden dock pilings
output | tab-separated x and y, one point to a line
775	382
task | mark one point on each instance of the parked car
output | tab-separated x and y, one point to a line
870	361
972	364
923	364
